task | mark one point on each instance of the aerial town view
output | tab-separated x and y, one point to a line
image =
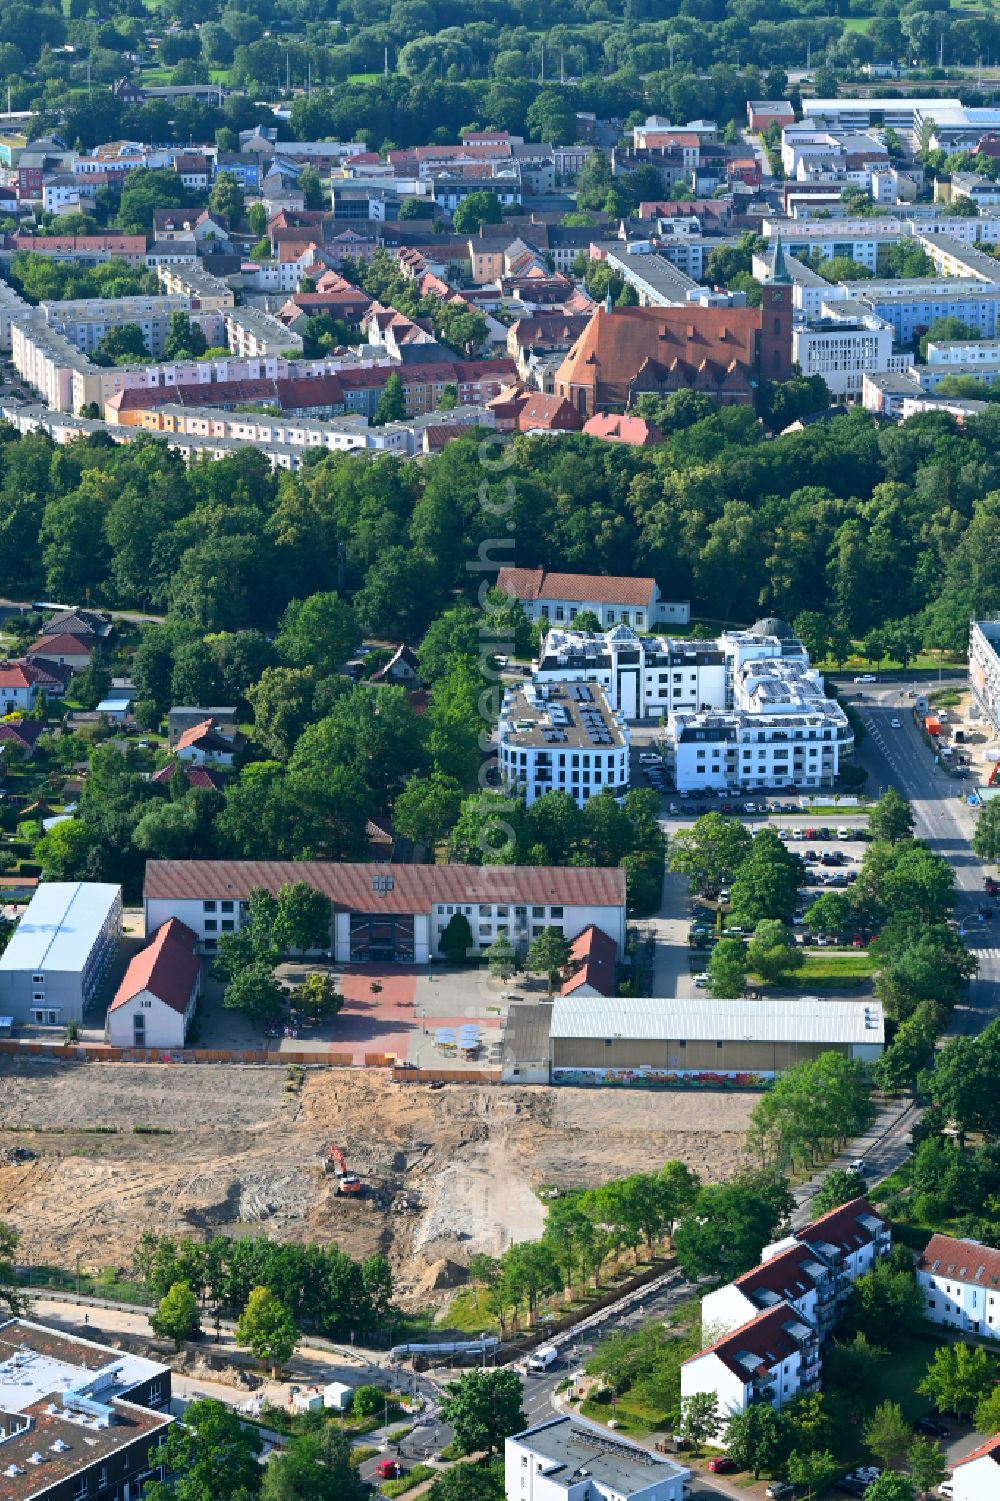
499	751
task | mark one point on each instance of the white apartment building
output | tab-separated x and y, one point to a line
964	352
977	1476
562	737
778	728
643	677
569	1459
393	913
844	348
960	1280
984	667
560	597
767	1327
773	1358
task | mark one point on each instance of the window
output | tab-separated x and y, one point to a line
38	979
155	1393
211	925
208	906
227	906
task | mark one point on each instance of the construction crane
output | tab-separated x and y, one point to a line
345	1182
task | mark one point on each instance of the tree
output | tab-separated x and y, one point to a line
391	406
257	218
92	684
468	1482
313	1467
986	839
767	882
958	1377
851	1365
122	345
426	809
727	969
178	1316
266	1328
887	1433
255	991
891	818
318	996
208	1454
484	1408
226	198
500	957
185	340
475	210
456	940
885	1300
728	1226
987	1417
811	1470
928	1466
548	955
311	188
757	1438
890	1487
772	952
302	918
318	632
281	700
840	1186
700	1417
710	852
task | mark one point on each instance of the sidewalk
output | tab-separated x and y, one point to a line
884	1147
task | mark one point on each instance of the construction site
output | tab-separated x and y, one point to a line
91	1155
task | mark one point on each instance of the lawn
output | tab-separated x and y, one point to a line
894	1379
859	23
857	965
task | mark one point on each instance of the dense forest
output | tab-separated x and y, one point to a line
866	524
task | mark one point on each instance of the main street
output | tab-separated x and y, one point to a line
901	758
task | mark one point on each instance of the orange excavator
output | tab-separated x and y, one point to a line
345	1182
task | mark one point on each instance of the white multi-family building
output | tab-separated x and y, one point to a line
772	1359
977	1476
560	597
566	1459
813	1270
393	913
767	1328
984	667
779	729
846	343
960	1280
643	677
561	737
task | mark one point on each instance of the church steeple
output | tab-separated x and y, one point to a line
779	272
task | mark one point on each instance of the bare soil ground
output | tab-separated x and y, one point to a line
448	1172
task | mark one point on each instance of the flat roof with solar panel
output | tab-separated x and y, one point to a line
574	716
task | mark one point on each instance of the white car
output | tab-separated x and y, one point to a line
843	832
866	677
701	981
648	758
895	724
947	1489
798	833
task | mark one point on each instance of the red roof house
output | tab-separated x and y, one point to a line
591	964
157	996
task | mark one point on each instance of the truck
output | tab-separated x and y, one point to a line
542	1358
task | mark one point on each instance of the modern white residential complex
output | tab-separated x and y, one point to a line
984	667
60	951
781	730
560	597
961	1285
561	737
393	913
566	1459
768	1327
643	677
843	345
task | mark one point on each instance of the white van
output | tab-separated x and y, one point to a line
543	1357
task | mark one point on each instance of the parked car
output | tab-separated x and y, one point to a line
931	1427
721	1464
779	1490
843	832
866	677
701	981
946	1489
858	1165
388	1469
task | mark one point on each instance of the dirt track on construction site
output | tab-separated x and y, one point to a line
449	1172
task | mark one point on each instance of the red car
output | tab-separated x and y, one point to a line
388	1469
990	887
722	1465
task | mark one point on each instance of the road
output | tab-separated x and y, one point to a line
900	757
